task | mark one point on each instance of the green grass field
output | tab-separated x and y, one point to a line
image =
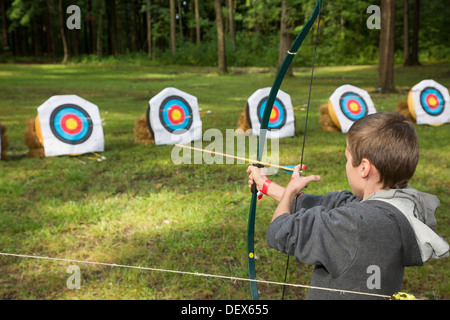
138	208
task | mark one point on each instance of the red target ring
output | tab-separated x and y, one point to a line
176	114
71	124
354	106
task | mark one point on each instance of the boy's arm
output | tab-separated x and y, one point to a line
329	201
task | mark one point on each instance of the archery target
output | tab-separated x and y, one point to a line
277	116
173	117
68	124
281	122
71	124
428	102
175	114
348	104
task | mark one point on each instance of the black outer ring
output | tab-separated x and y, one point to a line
88	117
161	108
258	109
431	114
342	109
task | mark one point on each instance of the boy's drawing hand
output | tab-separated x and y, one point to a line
298	183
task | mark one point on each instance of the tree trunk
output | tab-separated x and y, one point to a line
172	28
197	21
285	38
149	27
100	29
61	29
51	35
115	35
231	20
386	54
135	27
406	52
415	37
4	27
220	38
180	22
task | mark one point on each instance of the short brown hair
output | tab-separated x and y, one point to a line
389	141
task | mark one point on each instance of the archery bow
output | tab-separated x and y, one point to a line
261	140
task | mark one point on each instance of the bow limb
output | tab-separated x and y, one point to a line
262	138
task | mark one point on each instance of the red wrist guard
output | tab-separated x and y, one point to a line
265	186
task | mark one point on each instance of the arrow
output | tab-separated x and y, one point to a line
288	169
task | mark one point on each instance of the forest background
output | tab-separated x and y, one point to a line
184	32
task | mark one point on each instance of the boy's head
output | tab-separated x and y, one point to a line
389	141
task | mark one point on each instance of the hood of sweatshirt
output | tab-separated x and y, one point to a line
419	208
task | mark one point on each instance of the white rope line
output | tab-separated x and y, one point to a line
191	273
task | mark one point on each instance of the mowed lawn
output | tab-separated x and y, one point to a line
137	208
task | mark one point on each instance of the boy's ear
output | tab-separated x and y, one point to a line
364	168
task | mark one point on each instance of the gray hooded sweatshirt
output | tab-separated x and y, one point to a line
360	246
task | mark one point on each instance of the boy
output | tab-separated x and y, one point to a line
359	241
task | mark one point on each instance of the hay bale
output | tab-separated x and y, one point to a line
4	145
36	149
142	134
326	123
403	109
244	122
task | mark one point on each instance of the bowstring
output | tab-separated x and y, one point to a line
304	134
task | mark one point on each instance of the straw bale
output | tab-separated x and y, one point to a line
326	123
142	134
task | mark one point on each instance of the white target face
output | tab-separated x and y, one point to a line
430	102
281	122
350	104
173	117
70	125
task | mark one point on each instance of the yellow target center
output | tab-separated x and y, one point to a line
176	114
432	101
354	106
273	114
71	124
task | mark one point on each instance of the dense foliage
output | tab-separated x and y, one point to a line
119	28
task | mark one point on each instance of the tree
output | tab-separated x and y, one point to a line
406	53
101	10
149	27
411	53
220	38
4	27
172	28
197	21
231	21
63	36
415	38
285	37
386	48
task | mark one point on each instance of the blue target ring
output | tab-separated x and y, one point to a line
278	115
71	124
432	101
353	106
175	114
